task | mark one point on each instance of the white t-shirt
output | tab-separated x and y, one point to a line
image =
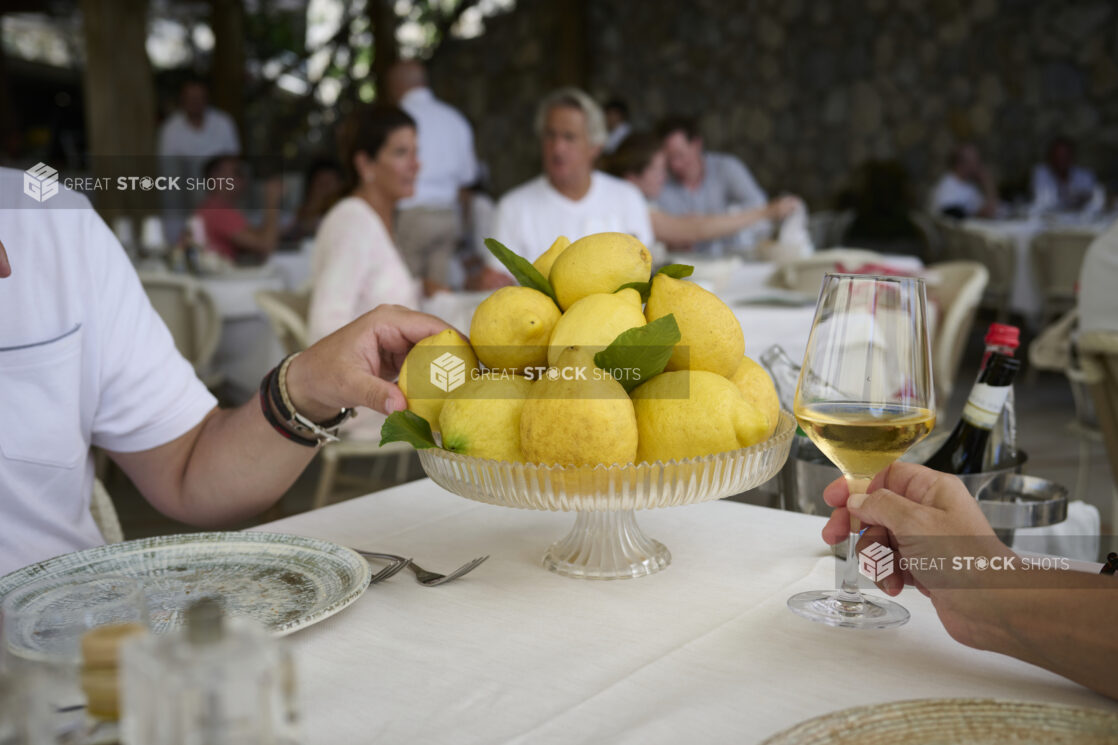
216	136
446	151
954	192
1098	282
84	360
1050	192
531	216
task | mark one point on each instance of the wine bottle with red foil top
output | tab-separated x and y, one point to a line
965	450
1001	450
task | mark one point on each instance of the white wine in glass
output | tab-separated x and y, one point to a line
864	398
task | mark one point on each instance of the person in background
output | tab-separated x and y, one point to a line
571	198
641	161
429	223
708	183
187	139
967	189
354	263
1060	184
228	231
1098	280
617	124
1056	619
322	185
85	360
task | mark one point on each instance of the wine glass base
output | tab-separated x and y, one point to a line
823	606
606	545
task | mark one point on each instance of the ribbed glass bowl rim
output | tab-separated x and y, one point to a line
785	428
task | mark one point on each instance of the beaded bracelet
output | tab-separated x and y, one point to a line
277	388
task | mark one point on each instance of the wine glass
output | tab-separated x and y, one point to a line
864	397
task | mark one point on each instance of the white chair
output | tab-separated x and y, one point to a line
1098	354
806	275
104	514
1057	257
995	252
189	312
287	312
956	287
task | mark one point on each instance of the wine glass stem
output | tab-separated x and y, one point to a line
849	592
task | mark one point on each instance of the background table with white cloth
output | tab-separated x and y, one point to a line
1025	297
704	651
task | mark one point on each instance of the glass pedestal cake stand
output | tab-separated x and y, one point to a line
606	542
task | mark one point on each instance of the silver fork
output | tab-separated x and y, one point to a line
423	576
395	564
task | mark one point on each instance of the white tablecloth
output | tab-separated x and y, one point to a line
703	652
1025	297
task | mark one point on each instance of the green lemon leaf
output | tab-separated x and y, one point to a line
676	271
644	288
520	268
641	353
407	426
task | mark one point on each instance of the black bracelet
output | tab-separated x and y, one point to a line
288	415
265	384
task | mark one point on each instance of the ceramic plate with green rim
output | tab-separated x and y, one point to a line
285	582
938	721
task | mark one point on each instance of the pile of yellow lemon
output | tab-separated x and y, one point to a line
540	398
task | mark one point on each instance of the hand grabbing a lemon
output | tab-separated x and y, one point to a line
569	369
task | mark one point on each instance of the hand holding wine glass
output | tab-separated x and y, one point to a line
864	397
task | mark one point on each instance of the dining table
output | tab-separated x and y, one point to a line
1025	296
704	651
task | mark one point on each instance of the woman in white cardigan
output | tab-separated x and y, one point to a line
355	264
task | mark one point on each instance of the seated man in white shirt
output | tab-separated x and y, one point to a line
1060	184
570	198
967	190
85	360
189	137
708	183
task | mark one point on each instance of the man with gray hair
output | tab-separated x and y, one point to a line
570	198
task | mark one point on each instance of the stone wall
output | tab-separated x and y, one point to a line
806	90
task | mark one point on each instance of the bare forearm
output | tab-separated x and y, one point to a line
686	229
1061	621
238	467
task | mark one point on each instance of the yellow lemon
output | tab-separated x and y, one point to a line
710	335
595	321
601	262
433	367
758	389
482	418
578	415
692	413
511	328
544	263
